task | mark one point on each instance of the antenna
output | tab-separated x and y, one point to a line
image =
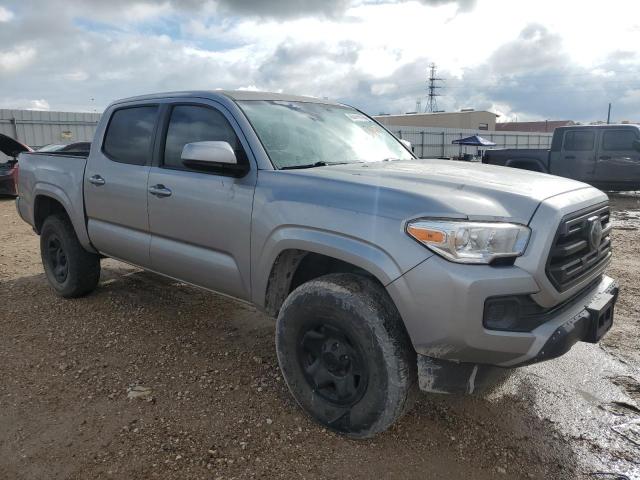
432	87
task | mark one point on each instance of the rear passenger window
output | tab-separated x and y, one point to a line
129	135
191	123
618	140
579	141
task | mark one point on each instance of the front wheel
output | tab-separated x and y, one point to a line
70	269
345	354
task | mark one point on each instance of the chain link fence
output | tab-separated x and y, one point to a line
434	142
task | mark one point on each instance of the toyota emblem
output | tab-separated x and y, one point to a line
595	233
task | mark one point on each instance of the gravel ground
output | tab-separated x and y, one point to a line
149	378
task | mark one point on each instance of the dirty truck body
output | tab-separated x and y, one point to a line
384	271
605	156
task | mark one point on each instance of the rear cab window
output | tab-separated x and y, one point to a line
129	136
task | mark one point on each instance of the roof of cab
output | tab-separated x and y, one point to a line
235	95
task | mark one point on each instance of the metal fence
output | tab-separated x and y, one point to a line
430	142
36	128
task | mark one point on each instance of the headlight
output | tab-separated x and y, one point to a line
463	241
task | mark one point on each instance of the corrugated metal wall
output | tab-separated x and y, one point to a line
429	142
36	128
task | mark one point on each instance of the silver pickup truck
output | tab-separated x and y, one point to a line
385	272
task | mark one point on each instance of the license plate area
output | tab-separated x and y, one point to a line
601	316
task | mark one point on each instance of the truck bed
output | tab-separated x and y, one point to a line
59	176
508	156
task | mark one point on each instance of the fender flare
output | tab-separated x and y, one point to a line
355	251
44	189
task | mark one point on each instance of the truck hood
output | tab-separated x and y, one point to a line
10	147
446	188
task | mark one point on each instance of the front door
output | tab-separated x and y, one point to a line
200	222
115	185
618	161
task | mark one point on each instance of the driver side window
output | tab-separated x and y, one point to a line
193	123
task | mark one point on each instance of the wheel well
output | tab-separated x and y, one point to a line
292	268
43	207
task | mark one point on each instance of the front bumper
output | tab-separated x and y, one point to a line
589	324
442	305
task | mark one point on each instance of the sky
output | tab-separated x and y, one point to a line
523	59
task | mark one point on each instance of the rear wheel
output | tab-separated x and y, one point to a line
70	269
345	354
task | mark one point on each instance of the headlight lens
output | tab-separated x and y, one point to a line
470	242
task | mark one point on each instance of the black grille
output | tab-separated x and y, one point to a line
574	255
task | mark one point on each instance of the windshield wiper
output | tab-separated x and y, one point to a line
312	165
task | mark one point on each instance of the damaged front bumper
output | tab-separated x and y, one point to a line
586	318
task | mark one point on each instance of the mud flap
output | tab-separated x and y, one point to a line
442	376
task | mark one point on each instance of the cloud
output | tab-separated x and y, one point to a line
463	5
369	53
25	104
285	8
301	8
5	14
17	59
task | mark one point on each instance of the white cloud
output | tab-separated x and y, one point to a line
539	59
16	59
40	104
5	14
25	103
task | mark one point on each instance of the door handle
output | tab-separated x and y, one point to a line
569	157
160	191
96	180
605	157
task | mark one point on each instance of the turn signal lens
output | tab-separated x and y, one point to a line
426	235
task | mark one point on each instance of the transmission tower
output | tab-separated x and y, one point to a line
432	88
418	105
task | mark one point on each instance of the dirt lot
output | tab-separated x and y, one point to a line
211	403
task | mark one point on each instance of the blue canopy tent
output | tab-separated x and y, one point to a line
472	141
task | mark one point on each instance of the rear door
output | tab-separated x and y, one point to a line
577	157
618	161
115	184
201	224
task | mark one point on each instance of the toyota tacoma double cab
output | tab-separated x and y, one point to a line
384	272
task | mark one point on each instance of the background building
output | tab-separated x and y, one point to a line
465	119
38	128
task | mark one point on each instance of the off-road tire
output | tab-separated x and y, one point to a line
81	268
374	335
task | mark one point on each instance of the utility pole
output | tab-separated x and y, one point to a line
609	114
432	87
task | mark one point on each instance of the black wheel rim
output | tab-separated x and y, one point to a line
58	261
333	364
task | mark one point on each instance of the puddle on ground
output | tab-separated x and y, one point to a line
629	384
625	219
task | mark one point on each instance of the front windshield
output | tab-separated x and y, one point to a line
299	134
